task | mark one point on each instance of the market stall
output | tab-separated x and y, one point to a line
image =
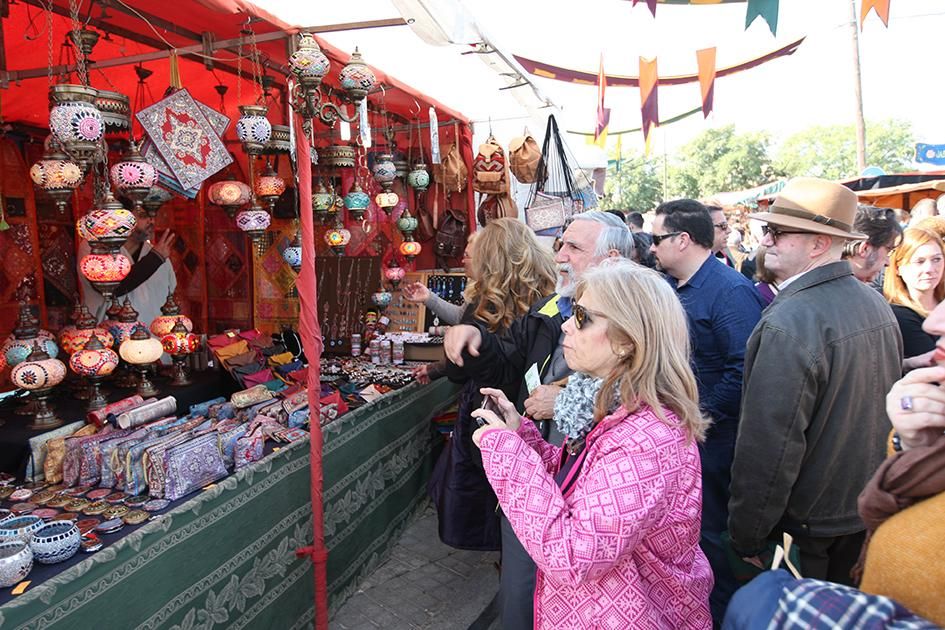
312	182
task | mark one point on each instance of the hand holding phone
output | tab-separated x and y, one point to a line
489	404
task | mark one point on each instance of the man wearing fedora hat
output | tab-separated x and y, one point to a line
817	367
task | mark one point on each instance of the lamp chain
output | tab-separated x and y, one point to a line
81	68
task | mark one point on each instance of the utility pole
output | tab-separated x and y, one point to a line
858	91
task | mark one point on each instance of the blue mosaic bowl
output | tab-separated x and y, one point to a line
55	542
20	528
16	561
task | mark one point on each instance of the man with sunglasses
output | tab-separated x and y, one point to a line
722	307
530	353
813	427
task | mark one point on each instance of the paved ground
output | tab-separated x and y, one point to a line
425	584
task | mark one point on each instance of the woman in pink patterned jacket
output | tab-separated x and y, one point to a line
612	516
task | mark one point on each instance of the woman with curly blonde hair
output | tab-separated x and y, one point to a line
508	271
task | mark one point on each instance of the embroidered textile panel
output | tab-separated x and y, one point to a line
20	243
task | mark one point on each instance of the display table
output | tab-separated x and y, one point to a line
226	557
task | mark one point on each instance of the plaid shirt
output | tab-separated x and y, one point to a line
813	604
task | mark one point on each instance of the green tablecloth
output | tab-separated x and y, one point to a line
226	557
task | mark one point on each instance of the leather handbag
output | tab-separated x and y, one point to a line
524	158
451	172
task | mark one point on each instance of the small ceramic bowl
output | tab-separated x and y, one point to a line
16	561
55	542
20	528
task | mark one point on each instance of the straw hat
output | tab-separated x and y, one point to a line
814	205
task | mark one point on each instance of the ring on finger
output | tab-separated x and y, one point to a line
906	403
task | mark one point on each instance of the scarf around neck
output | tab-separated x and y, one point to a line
574	406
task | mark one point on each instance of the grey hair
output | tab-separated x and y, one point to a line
614	233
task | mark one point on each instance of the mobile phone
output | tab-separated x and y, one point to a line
488	402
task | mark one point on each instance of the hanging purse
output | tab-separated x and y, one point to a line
552	200
524	158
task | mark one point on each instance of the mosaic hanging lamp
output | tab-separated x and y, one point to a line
407	224
394	273
253	128
419	178
56	175
410	250
254	221
76	123
292	254
229	194
381	299
156	198
269	186
133	176
322	200
338	238
357	201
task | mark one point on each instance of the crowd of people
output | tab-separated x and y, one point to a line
647	413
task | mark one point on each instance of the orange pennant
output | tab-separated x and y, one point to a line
880	6
706	60
649	102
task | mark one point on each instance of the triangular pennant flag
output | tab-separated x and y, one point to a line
767	9
880	6
649	103
706	60
649	3
603	113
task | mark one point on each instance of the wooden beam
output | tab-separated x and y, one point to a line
161	50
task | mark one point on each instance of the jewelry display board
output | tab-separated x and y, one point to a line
412	317
345	285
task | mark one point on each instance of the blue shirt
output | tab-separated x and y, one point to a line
722	307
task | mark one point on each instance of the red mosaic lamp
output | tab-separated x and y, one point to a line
410	250
170	315
230	194
39	374
394	274
179	343
269	186
95	361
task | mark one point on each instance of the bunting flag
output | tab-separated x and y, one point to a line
589	135
603	113
581	77
706	61
649	3
880	6
649	103
767	10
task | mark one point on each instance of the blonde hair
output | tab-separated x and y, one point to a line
512	271
894	288
932	224
644	315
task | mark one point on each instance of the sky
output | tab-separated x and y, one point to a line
813	86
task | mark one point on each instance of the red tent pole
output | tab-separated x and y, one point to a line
311	334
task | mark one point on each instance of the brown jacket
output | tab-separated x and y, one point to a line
813	424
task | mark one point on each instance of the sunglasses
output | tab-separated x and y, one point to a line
582	316
721	226
777	232
659	238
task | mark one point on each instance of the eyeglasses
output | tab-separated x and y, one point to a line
722	226
582	316
659	238
777	232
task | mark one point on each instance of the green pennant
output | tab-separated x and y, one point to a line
767	9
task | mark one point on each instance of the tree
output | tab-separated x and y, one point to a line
633	182
829	151
721	160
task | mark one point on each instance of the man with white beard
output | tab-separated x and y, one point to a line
530	353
